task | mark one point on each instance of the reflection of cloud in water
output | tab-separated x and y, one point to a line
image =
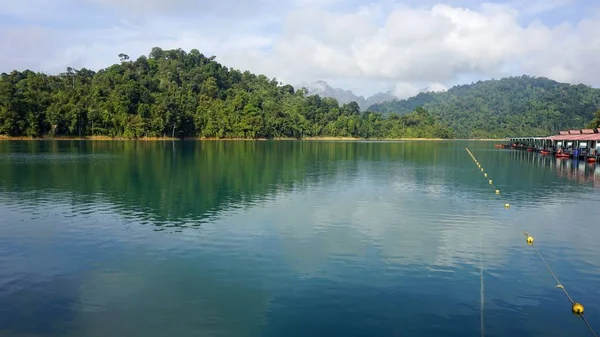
407	233
406	225
158	298
375	229
107	276
403	223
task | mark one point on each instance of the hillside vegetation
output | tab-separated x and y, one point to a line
514	106
173	93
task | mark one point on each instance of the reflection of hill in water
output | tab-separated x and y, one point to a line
178	183
351	230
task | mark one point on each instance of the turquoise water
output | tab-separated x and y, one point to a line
293	238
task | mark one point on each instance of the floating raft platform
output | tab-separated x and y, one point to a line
570	144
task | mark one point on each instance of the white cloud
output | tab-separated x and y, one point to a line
187	9
436	87
436	45
152	5
23	46
377	44
405	90
534	7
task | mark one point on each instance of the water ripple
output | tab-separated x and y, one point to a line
308	239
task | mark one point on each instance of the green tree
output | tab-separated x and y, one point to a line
596	120
178	94
514	106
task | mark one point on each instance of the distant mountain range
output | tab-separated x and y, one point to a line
323	89
511	106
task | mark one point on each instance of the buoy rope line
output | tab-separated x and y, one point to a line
490	181
576	308
481	289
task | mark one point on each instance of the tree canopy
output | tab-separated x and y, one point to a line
513	106
596	120
174	93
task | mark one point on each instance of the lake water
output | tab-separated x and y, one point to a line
293	238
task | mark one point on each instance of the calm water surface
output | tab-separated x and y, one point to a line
292	239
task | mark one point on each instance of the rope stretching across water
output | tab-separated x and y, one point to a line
559	285
481	291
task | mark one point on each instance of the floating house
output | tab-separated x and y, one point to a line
576	139
581	144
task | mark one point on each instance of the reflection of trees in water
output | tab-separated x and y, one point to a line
183	295
358	239
182	183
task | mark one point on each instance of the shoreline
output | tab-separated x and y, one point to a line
106	138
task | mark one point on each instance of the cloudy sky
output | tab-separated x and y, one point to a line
362	45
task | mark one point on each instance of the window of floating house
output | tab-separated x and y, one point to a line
558	144
569	144
583	145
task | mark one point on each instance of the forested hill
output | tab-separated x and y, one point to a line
511	106
180	94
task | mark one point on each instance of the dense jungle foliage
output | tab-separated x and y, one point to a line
173	93
513	106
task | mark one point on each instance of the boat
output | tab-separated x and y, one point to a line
591	160
499	146
529	149
563	155
544	152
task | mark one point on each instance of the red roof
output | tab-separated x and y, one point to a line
584	134
594	136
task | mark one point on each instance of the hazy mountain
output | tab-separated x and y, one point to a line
323	89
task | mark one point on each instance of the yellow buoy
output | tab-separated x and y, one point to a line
497	191
506	205
529	240
482	169
577	308
490	181
485	175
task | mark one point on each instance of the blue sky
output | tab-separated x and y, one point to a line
365	46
